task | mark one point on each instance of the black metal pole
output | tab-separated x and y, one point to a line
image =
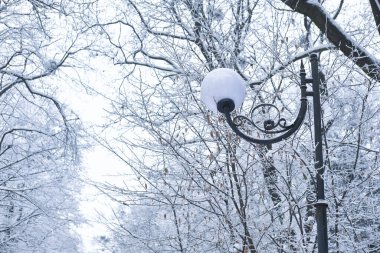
321	204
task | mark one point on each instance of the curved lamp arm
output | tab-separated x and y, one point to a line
226	106
287	132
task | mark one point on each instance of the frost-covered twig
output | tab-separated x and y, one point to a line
283	65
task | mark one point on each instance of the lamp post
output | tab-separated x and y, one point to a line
223	90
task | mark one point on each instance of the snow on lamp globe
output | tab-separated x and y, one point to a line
223	90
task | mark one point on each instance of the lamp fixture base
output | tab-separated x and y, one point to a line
226	105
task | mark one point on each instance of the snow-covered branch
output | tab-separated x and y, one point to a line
342	40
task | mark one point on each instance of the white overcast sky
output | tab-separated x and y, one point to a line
98	164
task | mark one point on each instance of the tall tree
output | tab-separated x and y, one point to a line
38	135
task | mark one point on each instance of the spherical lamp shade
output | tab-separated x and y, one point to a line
222	84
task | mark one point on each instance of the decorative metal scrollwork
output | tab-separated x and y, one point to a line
311	197
266	118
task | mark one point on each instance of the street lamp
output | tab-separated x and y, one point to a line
223	90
